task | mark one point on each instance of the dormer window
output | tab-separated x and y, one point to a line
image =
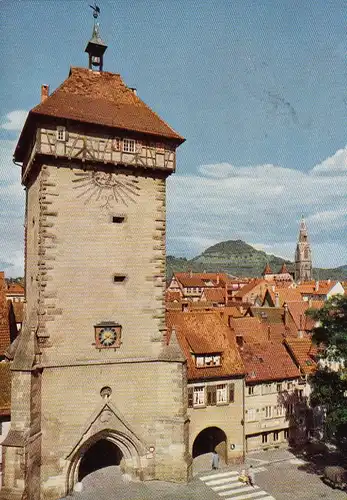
207	360
129	145
61	134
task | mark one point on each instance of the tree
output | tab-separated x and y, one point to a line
329	382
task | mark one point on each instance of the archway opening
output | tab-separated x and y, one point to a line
101	454
208	440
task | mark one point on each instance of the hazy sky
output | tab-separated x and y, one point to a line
256	87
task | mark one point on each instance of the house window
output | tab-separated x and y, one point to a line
61	134
279	387
216	360
279	410
290	408
275	438
211	395
251	415
116	144
264	438
289	386
128	145
222	394
301	394
199	395
251	390
268	411
231	393
267	388
208	360
286	433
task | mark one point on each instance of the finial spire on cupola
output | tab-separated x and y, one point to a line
96	47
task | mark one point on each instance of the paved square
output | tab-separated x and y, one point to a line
278	476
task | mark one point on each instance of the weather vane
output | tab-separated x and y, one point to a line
96	10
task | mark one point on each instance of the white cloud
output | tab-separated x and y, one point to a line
336	164
261	203
11	213
14	120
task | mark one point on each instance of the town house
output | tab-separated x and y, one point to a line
215	375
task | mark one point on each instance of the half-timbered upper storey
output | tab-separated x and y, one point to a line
94	117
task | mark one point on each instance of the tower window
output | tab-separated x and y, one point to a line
118	219
129	145
61	134
119	278
116	144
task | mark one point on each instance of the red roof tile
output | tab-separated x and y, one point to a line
316	288
216	295
267	269
15	289
100	98
200	280
304	352
205	333
268	361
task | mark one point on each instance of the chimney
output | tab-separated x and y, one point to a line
300	331
277	299
269	332
316	286
273	288
44	92
285	306
190	273
217	280
134	90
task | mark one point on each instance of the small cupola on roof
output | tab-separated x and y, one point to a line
96	47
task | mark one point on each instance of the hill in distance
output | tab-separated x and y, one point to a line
237	258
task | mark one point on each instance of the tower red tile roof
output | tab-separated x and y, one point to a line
283	269
98	98
267	270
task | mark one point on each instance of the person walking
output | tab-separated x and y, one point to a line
215	460
251	475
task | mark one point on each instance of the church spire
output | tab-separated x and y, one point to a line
96	47
303	258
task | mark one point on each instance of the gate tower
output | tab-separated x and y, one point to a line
91	367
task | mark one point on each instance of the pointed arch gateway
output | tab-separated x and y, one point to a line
106	431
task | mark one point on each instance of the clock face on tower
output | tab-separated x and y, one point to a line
107	335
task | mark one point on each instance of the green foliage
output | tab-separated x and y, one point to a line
332	330
329	388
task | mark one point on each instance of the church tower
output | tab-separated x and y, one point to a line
303	258
93	380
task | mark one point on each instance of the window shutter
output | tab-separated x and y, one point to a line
211	395
231	393
190	397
